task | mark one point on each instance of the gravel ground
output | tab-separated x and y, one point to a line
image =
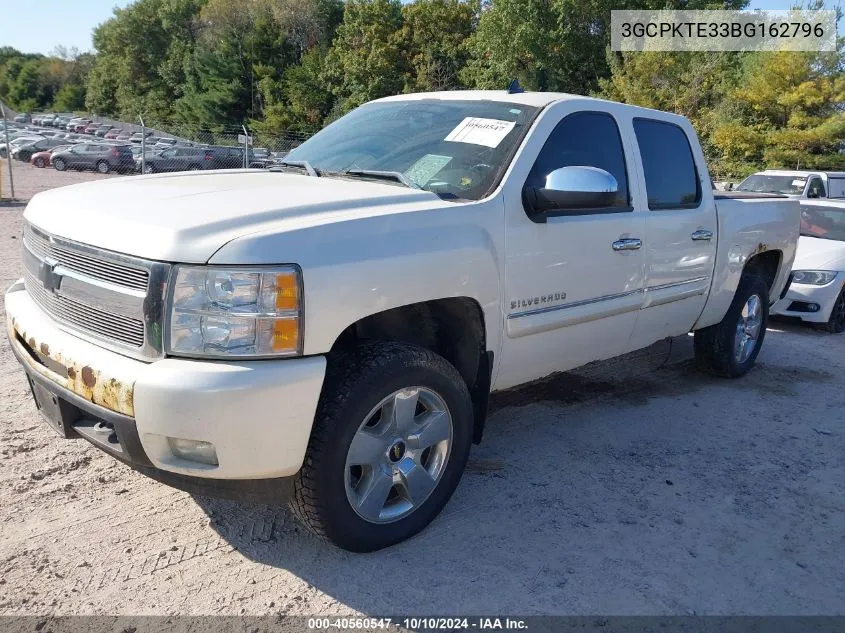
643	489
29	180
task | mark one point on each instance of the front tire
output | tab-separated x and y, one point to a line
730	348
390	442
103	167
59	164
836	323
39	162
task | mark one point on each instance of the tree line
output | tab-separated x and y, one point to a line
294	65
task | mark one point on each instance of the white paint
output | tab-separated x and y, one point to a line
816	254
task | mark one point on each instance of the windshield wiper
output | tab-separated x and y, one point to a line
304	164
382	175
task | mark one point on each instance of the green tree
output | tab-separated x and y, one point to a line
434	40
142	54
786	111
553	44
27	90
366	60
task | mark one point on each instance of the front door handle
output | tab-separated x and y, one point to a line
628	244
702	235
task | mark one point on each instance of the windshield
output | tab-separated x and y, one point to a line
764	183
456	149
824	222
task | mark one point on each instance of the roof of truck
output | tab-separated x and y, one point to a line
538	99
535	99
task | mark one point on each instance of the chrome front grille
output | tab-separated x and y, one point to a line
112	299
84	317
113	272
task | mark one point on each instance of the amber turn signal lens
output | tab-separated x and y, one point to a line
287	292
285	335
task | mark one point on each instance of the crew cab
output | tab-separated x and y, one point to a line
329	330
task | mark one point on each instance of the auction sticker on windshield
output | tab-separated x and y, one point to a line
478	131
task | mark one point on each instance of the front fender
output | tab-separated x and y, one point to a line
353	269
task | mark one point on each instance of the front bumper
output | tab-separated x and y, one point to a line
800	300
257	414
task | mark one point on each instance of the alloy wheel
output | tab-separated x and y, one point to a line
748	329
398	454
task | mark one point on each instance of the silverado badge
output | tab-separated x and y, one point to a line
542	300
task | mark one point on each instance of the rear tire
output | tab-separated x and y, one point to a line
103	167
39	162
836	322
59	164
730	348
331	493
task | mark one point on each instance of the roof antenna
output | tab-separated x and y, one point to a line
514	87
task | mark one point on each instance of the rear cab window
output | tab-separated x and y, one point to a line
671	176
836	187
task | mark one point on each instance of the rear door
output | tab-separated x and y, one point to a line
94	154
573	283
680	235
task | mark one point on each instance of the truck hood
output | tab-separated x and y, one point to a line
186	217
816	253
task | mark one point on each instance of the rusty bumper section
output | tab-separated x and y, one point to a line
116	434
88	382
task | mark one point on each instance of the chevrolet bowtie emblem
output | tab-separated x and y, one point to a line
49	278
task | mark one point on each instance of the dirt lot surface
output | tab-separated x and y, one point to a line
658	492
29	180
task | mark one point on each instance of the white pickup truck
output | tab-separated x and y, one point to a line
800	185
330	331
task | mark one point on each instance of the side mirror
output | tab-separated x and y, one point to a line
576	187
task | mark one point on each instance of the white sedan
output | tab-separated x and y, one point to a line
817	293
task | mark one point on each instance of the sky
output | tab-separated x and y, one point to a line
38	27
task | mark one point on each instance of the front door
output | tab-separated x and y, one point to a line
573	283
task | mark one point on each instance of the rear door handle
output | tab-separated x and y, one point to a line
628	244
702	235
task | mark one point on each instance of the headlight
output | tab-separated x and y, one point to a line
813	277
235	312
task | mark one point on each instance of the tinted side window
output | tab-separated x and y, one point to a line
587	139
671	179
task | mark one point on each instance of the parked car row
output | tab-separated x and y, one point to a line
66	142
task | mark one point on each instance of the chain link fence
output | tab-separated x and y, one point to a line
7	186
69	143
